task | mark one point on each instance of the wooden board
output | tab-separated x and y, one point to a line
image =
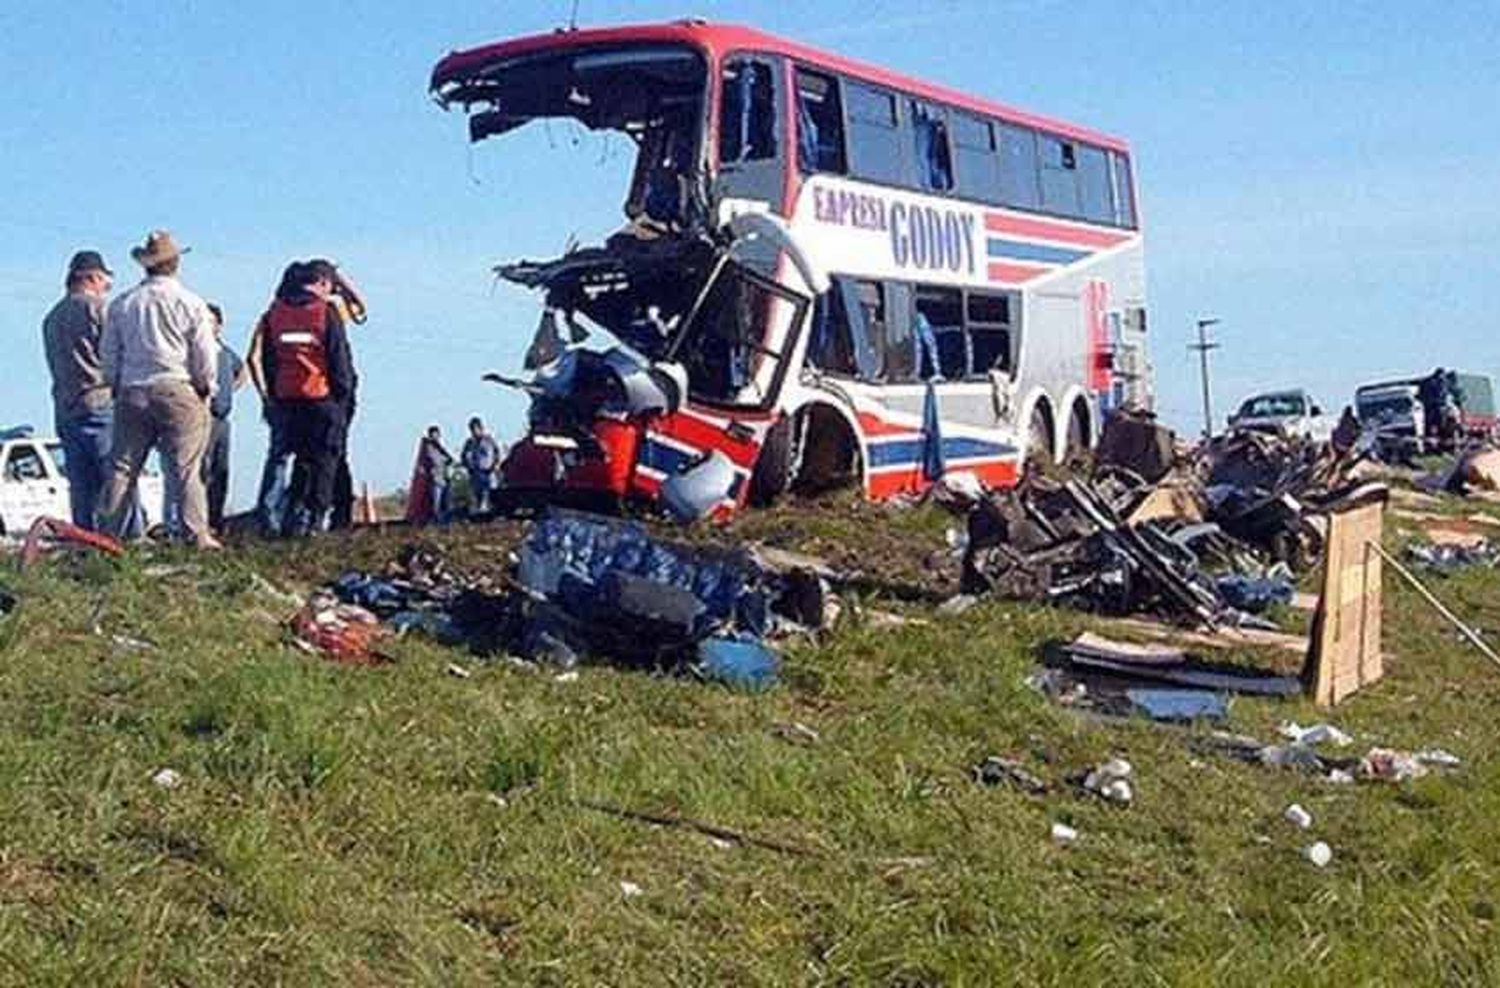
1346	630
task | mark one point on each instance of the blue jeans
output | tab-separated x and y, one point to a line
85	441
481	483
271	502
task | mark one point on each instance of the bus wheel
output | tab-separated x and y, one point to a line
772	476
1078	434
1039	443
829	452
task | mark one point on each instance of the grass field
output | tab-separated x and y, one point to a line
399	825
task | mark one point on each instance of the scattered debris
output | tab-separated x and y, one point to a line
47	533
569	676
631	890
166	778
1447	558
1315	735
742	663
1388	765
342	632
994	771
1319	853
1064	834
1111	780
457	671
1094	654
957	604
687	823
1298	817
1178	705
796	732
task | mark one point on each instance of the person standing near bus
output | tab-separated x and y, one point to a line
481	457
307	365
350	303
273	495
216	460
82	406
159	356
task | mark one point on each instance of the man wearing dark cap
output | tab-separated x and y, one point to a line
82	406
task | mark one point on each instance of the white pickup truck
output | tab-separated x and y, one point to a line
1292	413
34	484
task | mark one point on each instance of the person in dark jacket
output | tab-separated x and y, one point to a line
309	370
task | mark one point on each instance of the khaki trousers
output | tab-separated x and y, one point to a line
173	419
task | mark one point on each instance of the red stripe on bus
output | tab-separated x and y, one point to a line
701	435
1015	273
872	427
996	473
1027	227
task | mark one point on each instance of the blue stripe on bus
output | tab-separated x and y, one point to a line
1022	251
888	454
671	461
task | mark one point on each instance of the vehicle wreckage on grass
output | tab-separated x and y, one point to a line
830	273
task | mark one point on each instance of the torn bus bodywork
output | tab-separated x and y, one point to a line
701	319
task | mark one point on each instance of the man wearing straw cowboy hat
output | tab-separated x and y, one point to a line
160	357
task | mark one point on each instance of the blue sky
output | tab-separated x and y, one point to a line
1325	178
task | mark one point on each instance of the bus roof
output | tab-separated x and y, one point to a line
720	39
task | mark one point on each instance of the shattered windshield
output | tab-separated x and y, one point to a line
654	94
726	348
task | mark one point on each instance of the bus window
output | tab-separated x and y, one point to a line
1124	195
1018	172
830	348
989	325
747	113
894	341
1059	176
820	124
1093	185
934	159
874	135
725	348
943	310
975	158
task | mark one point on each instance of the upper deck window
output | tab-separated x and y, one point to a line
1124	191
820	124
1018	168
934	157
1059	172
747	113
976	157
875	146
1095	195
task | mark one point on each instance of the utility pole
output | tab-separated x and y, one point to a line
1203	346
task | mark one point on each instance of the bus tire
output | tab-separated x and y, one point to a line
1078	433
1039	443
772	476
829	451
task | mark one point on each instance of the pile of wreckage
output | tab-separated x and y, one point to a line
579	585
1212	536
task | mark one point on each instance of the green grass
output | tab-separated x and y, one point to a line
402	826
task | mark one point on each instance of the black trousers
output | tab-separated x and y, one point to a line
315	434
216	471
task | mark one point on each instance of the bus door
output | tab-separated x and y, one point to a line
752	152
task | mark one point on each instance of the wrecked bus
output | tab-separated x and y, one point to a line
828	273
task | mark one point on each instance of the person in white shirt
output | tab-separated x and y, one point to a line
160	357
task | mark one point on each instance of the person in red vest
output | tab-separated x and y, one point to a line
308	369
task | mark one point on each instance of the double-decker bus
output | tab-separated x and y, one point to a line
850	274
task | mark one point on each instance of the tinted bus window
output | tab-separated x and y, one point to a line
1096	196
1124	192
975	157
1059	176
933	156
896	347
990	332
1018	168
874	135
747	113
943	310
820	124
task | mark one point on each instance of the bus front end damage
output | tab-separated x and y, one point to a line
653	373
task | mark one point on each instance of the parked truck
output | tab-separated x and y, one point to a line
1435	413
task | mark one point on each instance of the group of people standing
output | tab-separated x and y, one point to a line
482	455
149	371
